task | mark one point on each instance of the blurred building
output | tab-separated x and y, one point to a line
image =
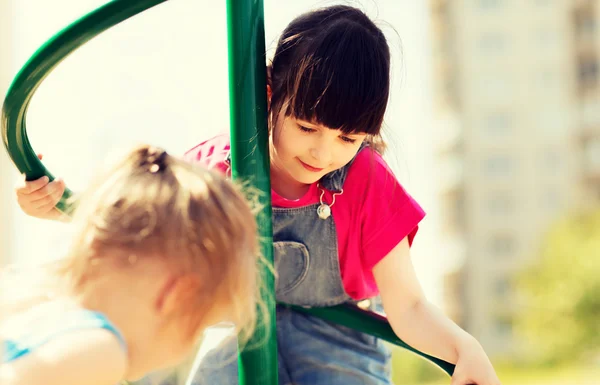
585	17
5	167
518	112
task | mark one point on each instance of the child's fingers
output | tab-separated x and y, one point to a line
27	187
47	207
40	202
40	156
54	190
47	202
28	207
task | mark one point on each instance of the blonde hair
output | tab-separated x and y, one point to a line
153	205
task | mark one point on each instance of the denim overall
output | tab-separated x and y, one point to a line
310	351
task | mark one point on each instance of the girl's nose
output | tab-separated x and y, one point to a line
321	154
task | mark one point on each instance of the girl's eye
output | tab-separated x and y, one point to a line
347	139
306	129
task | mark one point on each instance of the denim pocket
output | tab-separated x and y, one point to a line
291	263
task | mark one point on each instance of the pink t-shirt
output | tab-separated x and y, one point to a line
372	216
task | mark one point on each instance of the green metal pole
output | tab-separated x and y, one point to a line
250	162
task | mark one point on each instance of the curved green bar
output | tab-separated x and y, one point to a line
40	65
370	323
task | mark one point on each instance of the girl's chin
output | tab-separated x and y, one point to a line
308	180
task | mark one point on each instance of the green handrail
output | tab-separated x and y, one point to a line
370	323
250	162
249	147
40	65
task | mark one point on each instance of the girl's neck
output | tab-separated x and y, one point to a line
120	313
286	186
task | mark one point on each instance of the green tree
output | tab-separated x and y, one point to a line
559	320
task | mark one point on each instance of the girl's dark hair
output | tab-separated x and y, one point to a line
332	67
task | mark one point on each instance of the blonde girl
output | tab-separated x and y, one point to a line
161	251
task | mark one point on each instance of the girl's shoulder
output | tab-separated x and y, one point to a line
372	182
31	329
369	170
90	356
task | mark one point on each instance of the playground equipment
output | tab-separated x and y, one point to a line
249	138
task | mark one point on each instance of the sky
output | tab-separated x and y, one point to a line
161	78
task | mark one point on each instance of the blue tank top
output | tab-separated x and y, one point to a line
76	320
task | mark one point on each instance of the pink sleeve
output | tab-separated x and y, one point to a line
388	214
211	154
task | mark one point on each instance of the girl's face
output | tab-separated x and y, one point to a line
304	152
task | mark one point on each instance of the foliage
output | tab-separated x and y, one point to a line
559	317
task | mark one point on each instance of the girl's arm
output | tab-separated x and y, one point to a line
91	357
421	325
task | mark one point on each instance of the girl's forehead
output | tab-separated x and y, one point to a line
312	123
316	124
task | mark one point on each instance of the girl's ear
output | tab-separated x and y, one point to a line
269	95
176	292
269	86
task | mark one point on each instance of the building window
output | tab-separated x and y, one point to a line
592	156
451	91
496	89
552	199
586	28
491	43
497	124
498	165
502	245
547	37
502	288
588	72
488	4
585	22
554	120
500	204
553	162
546	78
590	112
459	211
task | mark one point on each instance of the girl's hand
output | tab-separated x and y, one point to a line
474	367
37	198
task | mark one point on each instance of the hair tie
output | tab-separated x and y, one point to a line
155	159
